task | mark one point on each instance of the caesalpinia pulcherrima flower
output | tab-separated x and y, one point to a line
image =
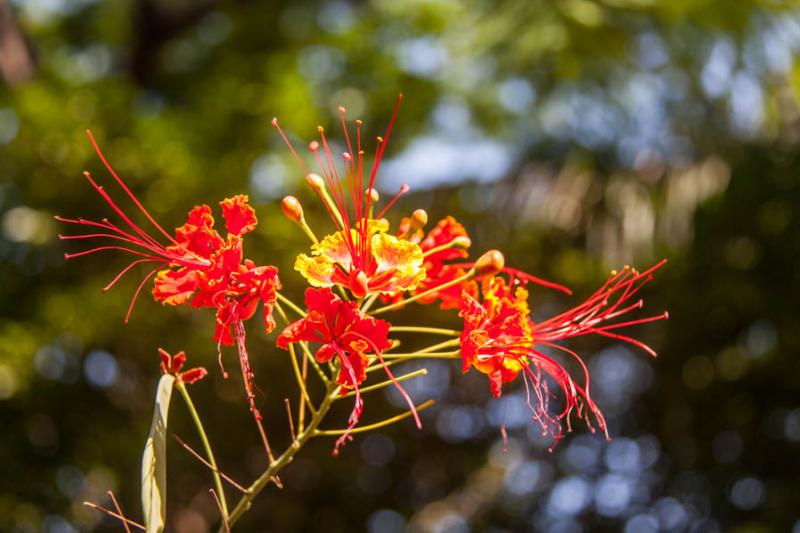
360	263
197	268
226	282
501	340
446	242
360	255
343	332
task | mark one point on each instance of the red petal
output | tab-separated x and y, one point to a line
175	287
178	360
166	360
239	217
195	374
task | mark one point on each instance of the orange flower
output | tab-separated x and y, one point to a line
447	241
225	281
500	340
389	265
198	267
347	335
496	338
360	256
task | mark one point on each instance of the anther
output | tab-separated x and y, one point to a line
292	209
313	146
462	241
316	181
490	263
418	220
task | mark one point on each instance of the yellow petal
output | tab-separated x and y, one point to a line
317	270
405	257
333	249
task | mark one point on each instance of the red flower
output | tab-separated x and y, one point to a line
342	330
233	287
360	255
347	334
173	364
198	267
500	340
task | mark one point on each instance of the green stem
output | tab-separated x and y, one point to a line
285	458
433	349
307	230
300	383
206	444
470	273
376	425
382	384
369	301
291	304
426	355
422	329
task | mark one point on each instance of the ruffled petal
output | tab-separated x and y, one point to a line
317	270
197	235
334	249
239	217
175	287
402	259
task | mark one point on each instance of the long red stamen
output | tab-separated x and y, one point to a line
125	271
127	190
404	188
135	227
538	281
138	290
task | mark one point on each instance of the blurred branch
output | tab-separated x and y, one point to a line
154	26
16	61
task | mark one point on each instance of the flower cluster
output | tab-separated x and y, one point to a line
362	262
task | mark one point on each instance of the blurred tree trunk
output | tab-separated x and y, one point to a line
16	61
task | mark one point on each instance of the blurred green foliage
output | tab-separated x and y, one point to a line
574	135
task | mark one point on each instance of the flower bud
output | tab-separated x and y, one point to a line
373	195
490	263
418	220
292	209
316	181
462	241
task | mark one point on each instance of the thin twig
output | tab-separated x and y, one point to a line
221	512
289	416
115	515
209	465
119	510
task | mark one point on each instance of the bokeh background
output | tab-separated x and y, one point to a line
575	135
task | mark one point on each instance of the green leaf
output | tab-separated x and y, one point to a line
154	460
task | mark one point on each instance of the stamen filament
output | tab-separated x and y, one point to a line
376	425
388	382
469	274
